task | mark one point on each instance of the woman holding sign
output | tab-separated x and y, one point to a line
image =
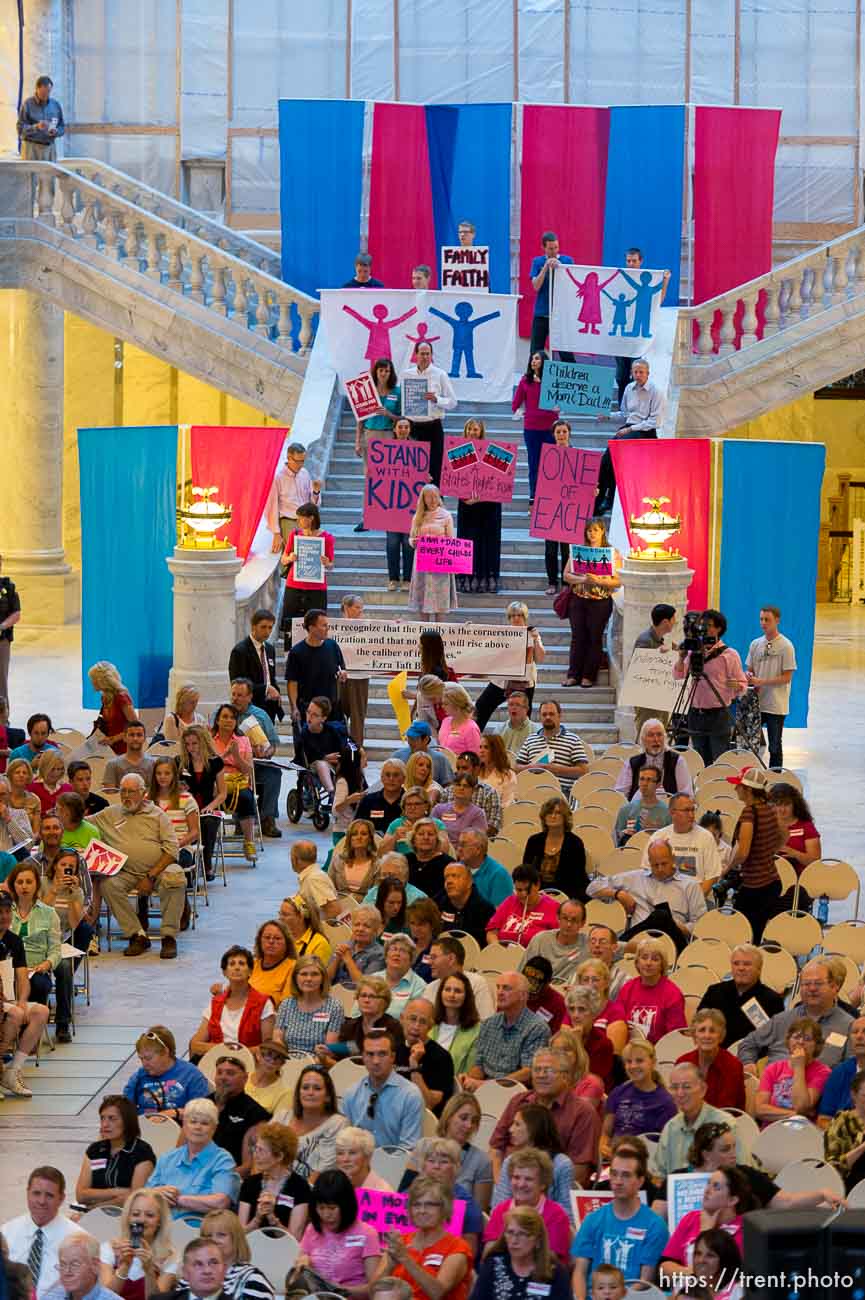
591	573
481	523
537	422
381	422
307	556
436	1264
431	593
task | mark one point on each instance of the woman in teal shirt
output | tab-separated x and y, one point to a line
38	927
379	424
416	804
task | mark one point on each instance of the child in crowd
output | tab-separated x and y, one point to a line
399	551
711	821
431	593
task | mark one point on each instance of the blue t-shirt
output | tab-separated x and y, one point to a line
628	1244
836	1094
542	301
27	751
168	1091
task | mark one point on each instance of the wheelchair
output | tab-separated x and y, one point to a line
309	796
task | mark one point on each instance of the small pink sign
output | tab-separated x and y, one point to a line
444	555
362	397
388	1212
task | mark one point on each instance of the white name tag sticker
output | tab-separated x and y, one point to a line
98	1164
755	1013
376	812
836	1040
282	1199
355	1241
433	1260
538	1288
320	1016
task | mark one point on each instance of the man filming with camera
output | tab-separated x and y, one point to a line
720	679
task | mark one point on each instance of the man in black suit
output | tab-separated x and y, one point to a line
254	657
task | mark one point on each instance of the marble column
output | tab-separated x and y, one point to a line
31	438
204	622
646	583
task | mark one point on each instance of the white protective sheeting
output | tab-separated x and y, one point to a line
124	64
713	51
542	51
630	53
284	49
149	158
454	52
204	94
815	183
255	173
372	49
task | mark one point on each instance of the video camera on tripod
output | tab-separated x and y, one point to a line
696	640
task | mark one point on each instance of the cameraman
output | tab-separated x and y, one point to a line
709	723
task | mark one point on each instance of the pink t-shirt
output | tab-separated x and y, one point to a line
777	1080
655	1010
339	1256
460	736
557	1223
513	927
680	1247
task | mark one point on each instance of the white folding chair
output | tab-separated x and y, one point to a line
599	912
345	1074
389	1163
274	1252
805	1174
494	1094
103	1223
161	1133
671	1046
501	957
471	946
786	1140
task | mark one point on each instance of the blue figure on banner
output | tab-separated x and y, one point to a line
464	337
645	291
620	312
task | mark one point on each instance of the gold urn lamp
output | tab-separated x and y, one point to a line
202	519
654	527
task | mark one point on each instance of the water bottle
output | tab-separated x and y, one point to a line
823	909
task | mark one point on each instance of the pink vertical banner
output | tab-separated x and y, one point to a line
401	229
241	463
564	182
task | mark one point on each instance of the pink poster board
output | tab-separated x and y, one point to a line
362	397
480	468
388	1212
396	470
565	493
444	555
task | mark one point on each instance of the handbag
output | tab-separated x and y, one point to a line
562	602
234	783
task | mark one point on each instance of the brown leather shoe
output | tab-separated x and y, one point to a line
138	944
269	829
168	948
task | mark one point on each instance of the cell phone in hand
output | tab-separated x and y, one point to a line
136	1235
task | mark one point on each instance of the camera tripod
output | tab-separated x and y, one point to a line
677	729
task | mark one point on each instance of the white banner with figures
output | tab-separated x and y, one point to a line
380	646
608	311
472	335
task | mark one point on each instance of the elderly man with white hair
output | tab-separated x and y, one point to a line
745	1001
144	833
78	1259
675	778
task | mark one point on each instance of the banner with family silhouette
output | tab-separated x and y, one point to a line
472	335
608	311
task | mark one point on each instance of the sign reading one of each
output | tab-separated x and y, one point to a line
396	471
576	388
444	554
466	268
565	493
478	469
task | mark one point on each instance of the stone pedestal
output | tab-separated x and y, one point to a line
646	583
204	185
31	446
204	622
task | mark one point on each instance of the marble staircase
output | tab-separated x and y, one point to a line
360	567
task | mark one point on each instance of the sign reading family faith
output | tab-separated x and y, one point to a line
565	493
472	333
396	470
605	310
575	388
466	268
444	554
362	396
478	469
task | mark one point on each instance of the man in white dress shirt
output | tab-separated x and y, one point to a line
34	1238
440	398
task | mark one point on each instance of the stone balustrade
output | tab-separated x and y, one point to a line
797	292
184	262
178	214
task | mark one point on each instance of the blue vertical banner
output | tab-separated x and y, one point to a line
470	173
320	186
128	494
645	176
751	574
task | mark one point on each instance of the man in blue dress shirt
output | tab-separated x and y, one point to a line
541	273
384	1103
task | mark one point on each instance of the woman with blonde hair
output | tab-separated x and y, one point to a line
202	772
460	1120
242	1280
498	689
184	713
459	732
643	1104
651	1002
419	773
116	707
302	919
496	770
48	783
178	805
137	1271
436	1264
19	774
354	865
520	1264
431	593
309	1015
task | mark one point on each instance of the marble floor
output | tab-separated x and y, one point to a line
128	995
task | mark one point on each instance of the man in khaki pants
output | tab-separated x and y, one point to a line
144	833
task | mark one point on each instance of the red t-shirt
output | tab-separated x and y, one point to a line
290	580
725	1079
656	1009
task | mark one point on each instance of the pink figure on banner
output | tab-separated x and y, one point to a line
590	291
378	344
422	336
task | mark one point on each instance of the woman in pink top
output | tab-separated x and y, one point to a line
458	732
431	593
531	1175
537	422
336	1244
794	1086
236	754
727	1196
524	913
651	1002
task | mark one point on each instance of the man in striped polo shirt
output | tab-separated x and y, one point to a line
553	749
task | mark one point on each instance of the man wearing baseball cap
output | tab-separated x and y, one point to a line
757	839
420	741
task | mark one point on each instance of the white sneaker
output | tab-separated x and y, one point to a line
12	1083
